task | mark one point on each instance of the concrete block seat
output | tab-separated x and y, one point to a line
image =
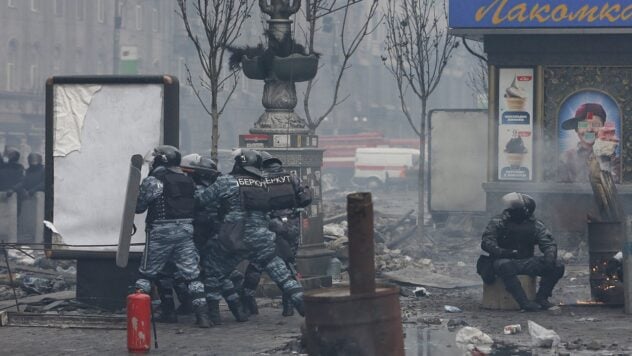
496	297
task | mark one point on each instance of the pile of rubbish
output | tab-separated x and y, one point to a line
390	232
32	273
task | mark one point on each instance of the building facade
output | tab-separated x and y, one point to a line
44	38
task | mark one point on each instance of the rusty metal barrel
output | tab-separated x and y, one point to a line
605	239
362	318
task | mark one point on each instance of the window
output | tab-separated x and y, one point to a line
10	76
139	17
120	14
11	4
33	76
100	11
35	5
155	20
81	10
59	8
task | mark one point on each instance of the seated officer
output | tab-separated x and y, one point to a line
510	239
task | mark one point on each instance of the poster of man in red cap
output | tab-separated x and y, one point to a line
589	125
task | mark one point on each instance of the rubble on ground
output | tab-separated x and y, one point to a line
33	273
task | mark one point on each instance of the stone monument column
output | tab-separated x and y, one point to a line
283	133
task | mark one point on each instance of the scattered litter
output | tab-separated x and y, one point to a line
461	264
430	321
421	292
454	323
512	329
451	309
555	310
587	319
541	336
472	339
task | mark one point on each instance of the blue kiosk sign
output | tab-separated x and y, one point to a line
508	14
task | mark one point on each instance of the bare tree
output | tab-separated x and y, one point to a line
477	78
350	41
220	23
418	47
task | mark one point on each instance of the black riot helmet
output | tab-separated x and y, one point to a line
12	154
269	163
519	206
202	168
34	159
166	156
248	161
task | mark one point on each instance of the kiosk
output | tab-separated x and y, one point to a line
558	69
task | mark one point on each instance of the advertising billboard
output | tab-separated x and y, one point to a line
515	124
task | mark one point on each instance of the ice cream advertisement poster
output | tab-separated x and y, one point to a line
589	123
515	124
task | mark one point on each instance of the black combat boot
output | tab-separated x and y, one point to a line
249	303
513	286
235	307
547	283
201	316
213	312
288	308
167	310
182	291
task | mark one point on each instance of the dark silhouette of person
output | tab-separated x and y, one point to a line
12	172
33	177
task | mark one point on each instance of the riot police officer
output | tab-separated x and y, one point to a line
206	224
247	197
510	239
285	225
167	195
204	171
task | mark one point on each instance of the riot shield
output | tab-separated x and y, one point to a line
129	210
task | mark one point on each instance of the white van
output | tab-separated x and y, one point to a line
376	166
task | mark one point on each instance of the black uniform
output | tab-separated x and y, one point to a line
511	244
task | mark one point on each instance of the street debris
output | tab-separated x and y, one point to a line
451	309
455	323
512	329
541	336
472	339
421	292
39	285
413	275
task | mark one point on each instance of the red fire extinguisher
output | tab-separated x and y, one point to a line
138	322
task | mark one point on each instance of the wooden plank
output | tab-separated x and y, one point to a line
67	321
63	295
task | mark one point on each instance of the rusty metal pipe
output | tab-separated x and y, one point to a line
361	248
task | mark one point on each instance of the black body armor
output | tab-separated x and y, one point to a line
176	201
